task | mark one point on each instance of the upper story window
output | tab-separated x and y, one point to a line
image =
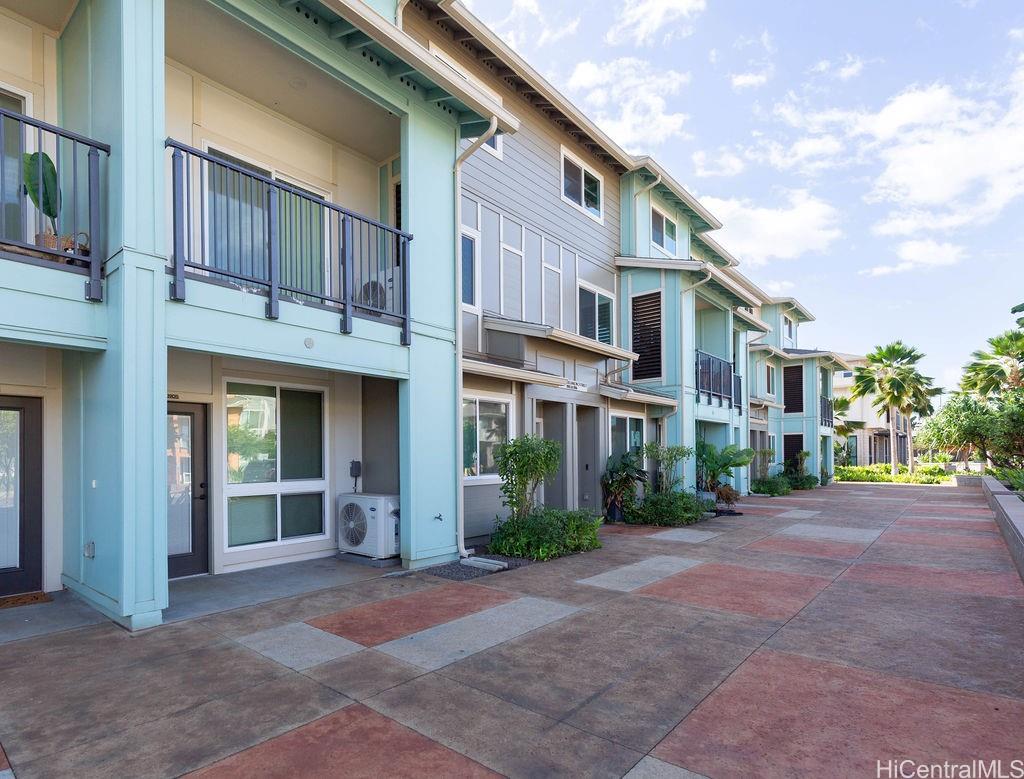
468	250
769	379
663	232
596	315
646	314
582	187
789	328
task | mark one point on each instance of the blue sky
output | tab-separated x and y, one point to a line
865	157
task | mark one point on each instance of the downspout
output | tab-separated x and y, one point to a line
460	518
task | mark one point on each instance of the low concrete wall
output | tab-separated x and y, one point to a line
967	481
1009	511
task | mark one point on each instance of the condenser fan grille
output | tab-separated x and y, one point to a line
353	524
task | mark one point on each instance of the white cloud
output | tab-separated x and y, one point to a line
1016	34
852	67
641	21
756	234
821	66
778	288
724	163
808	155
626	97
751	79
526	26
919	255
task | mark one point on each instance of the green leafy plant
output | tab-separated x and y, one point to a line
42	190
666	460
803	481
881	472
668	509
1011	477
523	463
619	481
998	368
717	464
796	466
545	534
772	485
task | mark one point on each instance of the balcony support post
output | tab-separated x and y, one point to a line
274	276
406	314
178	194
346	274
94	286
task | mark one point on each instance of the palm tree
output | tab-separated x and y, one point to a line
1018	309
844	427
889	376
921	394
1002	367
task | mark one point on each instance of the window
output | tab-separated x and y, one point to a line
581	186
851	450
663	232
276	471
773	445
485	425
627	435
646	311
769	381
847	374
789	327
595	315
494	145
468	270
11	220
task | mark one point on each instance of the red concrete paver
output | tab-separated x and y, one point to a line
992	583
382	621
809	547
981	525
4	764
758	593
962	513
353	742
783	715
946	540
629	530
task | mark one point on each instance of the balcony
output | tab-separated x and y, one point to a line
826	412
50	202
237	227
717	381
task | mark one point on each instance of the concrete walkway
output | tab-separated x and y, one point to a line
813	636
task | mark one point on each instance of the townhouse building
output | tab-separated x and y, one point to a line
227	270
871	443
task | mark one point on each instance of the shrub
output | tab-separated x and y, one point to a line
803	481
545	534
773	485
668	509
523	463
879	472
1011	477
619	482
666	461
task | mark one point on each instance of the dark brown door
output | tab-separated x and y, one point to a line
21	495
188	534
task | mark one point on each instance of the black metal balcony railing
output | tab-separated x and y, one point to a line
50	197
239	227
716	380
826	412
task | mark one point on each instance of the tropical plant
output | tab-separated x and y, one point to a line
523	463
42	189
880	473
762	462
891	378
773	485
666	461
545	534
717	464
668	509
965	423
998	368
840	411
619	482
1018	309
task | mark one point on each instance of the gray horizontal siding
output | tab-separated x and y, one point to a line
482	504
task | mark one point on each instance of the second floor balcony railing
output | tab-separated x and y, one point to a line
826	412
50	197
236	226
737	392
715	379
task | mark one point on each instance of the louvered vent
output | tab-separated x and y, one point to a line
793	388
792	445
647	336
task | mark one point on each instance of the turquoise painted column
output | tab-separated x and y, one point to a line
112	56
427	423
688	400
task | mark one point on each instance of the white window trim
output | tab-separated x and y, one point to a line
521	253
666	218
568	155
661	291
773	444
545	265
473	234
498	150
769	391
613	415
30	142
278	487
499	397
599	291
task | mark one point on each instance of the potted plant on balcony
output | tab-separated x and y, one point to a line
716	465
619	481
43	189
